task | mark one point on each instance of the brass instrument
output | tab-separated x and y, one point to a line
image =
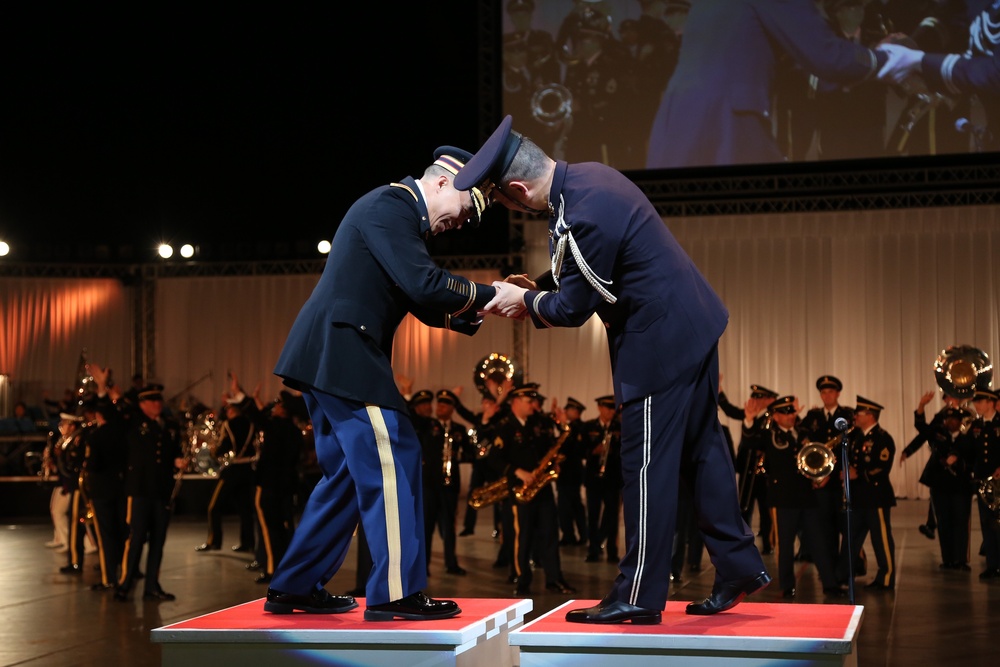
446	454
961	369
546	471
816	460
498	368
552	104
605	449
988	491
754	467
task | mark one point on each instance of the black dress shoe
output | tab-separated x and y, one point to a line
835	591
121	595
455	569
158	594
592	558
675	577
466	532
317	602
206	547
254	565
560	587
877	586
416	607
788	593
614	612
263	578
102	587
926	531
240	547
522	592
72	568
728	594
991	573
500	562
766	551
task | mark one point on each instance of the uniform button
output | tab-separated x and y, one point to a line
364	328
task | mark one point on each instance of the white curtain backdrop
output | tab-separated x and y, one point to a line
870	297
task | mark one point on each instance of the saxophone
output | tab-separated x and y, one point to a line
546	471
446	454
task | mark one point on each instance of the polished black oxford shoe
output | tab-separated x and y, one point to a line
206	547
240	547
926	531
416	607
317	602
158	594
614	612
560	587
263	578
72	568
457	569
728	594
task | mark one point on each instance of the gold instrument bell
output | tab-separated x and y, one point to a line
498	368
961	369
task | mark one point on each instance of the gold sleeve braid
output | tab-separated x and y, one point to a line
466	289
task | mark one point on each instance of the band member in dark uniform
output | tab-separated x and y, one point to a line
819	425
871	451
613	256
339	355
154	461
750	467
569	485
235	451
443	453
984	444
793	499
949	478
481	471
68	454
276	476
521	442
603	479
104	480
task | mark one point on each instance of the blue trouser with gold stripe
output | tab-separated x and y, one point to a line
370	458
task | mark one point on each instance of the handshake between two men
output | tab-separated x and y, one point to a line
509	299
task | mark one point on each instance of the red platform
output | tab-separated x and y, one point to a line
246	635
749	634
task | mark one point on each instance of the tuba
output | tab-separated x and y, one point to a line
552	104
961	369
496	367
988	491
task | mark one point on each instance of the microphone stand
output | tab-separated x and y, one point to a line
845	469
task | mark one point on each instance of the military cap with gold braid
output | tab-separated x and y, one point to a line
422	396
453	159
760	391
829	382
151	392
987	394
606	401
447	396
573	403
784	405
868	404
529	390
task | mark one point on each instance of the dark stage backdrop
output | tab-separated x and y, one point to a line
586	80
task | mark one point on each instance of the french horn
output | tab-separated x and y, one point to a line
961	369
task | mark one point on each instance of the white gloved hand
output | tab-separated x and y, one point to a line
902	62
509	300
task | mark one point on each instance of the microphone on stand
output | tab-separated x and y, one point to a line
840	424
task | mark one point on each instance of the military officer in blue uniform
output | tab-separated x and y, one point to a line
716	110
612	255
338	354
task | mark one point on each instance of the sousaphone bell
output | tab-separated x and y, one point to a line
961	369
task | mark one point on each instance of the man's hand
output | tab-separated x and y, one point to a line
902	62
509	300
924	400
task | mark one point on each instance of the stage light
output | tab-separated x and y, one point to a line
323	247
4	249
187	251
165	251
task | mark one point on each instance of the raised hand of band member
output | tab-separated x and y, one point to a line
521	280
902	62
509	300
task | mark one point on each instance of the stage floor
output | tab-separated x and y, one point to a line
55	620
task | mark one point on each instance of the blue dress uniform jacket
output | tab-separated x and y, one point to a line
716	109
338	353
378	270
663	323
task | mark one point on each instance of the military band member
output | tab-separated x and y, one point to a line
984	444
792	498
871	452
154	461
569	485
444	450
521	441
603	480
104	481
751	469
949	478
275	477
235	486
819	425
68	454
481	472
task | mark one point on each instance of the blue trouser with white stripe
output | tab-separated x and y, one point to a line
668	433
370	458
